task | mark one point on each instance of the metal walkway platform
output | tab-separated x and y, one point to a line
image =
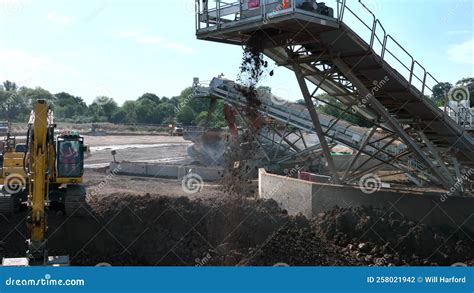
325	53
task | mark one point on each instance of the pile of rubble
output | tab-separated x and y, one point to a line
379	237
127	229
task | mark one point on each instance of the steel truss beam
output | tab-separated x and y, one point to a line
286	149
333	73
444	179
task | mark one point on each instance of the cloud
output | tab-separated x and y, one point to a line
147	39
25	67
127	34
57	18
462	53
459	32
179	47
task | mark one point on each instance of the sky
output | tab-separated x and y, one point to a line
124	48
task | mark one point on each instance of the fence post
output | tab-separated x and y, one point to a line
411	72
372	37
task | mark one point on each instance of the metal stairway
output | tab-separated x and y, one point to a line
325	53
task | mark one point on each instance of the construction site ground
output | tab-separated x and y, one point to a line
153	221
145	148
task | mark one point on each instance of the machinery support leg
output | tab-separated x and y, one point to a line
317	125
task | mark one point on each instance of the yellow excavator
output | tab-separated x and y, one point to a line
53	166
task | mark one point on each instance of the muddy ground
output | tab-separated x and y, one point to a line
125	225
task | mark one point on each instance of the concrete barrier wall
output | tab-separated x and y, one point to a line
310	199
164	171
295	197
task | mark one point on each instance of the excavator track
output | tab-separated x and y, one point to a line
6	205
75	204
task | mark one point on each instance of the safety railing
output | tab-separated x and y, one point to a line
218	12
423	82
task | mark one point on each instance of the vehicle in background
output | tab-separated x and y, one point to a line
176	130
97	130
4	128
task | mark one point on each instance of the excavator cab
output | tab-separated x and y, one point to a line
70	158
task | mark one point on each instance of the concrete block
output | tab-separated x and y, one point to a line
165	171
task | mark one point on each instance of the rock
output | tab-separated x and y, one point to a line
363	247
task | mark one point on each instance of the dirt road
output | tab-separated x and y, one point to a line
164	149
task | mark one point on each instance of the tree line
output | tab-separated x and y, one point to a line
16	104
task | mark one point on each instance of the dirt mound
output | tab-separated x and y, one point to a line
152	230
383	238
297	244
126	229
